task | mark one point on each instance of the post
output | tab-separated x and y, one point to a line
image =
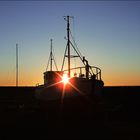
51	57
17	65
68	45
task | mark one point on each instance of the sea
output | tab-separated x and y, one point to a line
115	115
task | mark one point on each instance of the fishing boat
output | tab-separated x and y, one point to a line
73	82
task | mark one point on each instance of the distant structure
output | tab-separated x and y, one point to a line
17	65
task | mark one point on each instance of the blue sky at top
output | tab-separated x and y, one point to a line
107	33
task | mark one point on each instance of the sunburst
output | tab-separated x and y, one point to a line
65	80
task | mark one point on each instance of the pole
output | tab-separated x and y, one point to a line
51	57
68	43
17	65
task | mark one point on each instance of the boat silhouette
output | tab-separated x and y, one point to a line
73	82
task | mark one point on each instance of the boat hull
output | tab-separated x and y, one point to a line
76	87
69	101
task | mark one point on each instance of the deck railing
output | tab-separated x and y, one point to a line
81	72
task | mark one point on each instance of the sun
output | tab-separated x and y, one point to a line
65	78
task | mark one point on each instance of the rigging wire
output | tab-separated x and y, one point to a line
64	58
75	45
48	63
54	62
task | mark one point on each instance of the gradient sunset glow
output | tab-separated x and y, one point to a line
107	34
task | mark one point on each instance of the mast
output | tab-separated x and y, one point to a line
51	57
67	50
68	44
17	65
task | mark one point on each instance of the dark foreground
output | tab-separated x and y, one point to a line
116	115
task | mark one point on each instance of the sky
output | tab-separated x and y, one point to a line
107	33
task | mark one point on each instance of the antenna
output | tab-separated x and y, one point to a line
17	65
